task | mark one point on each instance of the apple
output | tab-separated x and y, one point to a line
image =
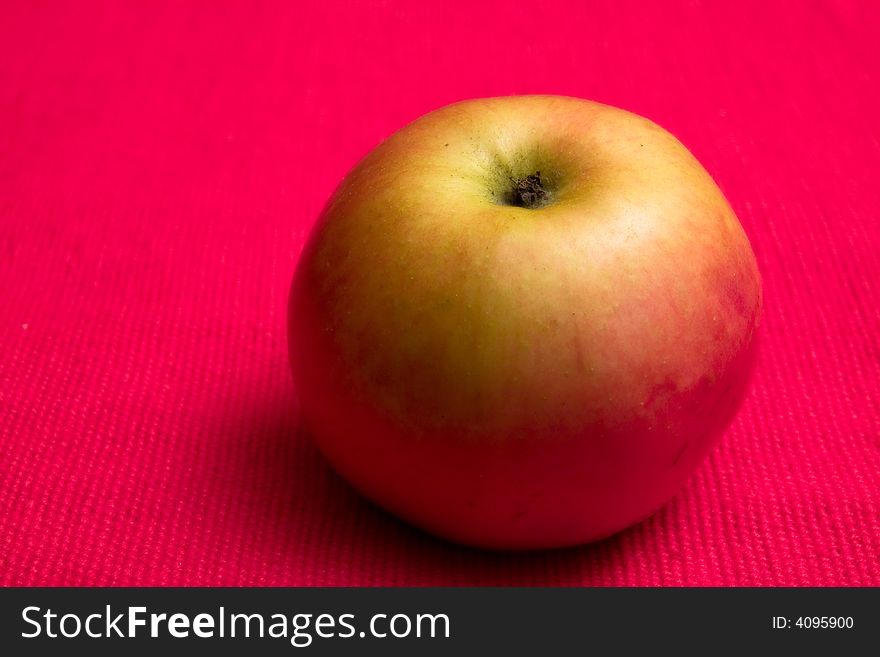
522	322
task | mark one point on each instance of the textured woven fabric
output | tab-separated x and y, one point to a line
161	164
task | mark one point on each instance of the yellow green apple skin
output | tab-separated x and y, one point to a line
515	374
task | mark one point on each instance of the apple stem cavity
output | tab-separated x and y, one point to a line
528	192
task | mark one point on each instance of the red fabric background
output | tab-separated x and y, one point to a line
160	165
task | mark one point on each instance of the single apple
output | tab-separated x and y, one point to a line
522	322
